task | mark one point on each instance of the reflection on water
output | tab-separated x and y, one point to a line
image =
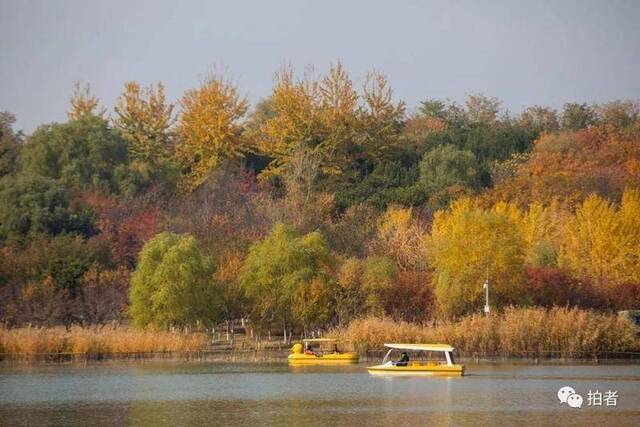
197	394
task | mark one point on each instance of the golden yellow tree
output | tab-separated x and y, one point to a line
379	117
295	122
84	103
602	242
209	128
468	244
339	104
541	228
629	215
329	117
145	119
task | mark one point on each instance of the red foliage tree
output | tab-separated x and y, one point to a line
411	297
126	225
551	286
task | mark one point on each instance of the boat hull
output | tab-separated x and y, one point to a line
326	359
428	370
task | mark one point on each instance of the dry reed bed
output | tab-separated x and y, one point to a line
529	332
31	341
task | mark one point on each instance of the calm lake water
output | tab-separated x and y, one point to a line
155	393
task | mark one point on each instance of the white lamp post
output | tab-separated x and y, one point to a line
487	309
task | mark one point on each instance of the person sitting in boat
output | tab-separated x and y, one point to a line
404	359
308	350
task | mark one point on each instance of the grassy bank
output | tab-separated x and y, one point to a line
534	332
34	341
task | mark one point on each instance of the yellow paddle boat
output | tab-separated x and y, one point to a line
417	364
320	351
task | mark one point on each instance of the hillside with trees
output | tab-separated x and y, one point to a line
322	204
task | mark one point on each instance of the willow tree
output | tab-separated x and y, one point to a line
173	284
209	128
286	279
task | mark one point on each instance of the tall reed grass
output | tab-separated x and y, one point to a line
33	341
523	332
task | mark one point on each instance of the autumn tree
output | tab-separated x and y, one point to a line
364	286
482	109
553	286
226	213
234	302
172	284
602	241
295	121
104	295
467	245
337	114
351	232
619	114
144	118
125	224
330	118
84	104
209	128
304	205
380	117
401	238
541	227
569	166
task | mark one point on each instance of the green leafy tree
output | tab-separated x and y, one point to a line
9	144
445	166
433	108
30	205
287	280
84	153
173	284
577	116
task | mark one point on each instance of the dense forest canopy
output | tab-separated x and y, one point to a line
322	203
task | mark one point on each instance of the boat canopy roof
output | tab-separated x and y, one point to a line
421	347
319	340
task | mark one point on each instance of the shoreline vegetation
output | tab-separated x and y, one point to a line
516	333
325	205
